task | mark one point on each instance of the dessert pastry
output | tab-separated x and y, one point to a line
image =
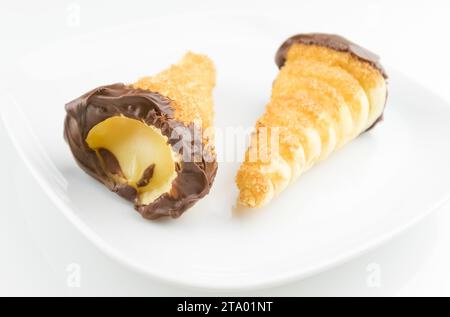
149	141
328	91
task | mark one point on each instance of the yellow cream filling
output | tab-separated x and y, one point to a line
136	146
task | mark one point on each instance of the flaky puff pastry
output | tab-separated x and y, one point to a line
328	91
189	85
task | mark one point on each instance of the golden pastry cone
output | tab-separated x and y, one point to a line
328	91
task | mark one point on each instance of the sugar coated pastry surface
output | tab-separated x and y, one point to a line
189	85
328	91
146	141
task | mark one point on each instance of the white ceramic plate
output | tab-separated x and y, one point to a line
372	189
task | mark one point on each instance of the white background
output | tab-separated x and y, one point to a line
37	243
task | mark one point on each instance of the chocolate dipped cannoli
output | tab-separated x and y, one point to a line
149	141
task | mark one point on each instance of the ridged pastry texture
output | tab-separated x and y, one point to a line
321	99
189	85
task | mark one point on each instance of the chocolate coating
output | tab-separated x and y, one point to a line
110	162
332	41
146	177
335	42
194	177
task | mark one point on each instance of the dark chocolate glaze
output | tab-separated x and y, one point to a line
335	42
110	163
146	176
194	176
332	41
